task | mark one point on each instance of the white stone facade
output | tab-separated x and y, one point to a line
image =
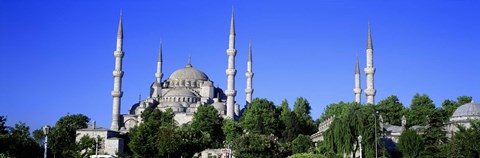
109	144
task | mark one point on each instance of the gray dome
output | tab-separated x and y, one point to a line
188	73
180	92
469	109
220	107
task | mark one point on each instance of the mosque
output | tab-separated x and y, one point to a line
183	91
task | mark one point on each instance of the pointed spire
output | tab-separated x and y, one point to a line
160	52
189	64
250	50
357	69
120	27
232	24
369	40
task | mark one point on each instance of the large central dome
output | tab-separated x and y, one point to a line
188	73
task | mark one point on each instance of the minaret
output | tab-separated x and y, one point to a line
231	72
117	76
357	91
158	76
249	75
370	70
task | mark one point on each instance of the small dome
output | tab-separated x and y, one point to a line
180	92
469	109
219	106
188	73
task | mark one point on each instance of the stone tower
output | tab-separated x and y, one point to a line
157	86
370	70
117	77
249	75
231	72
357	91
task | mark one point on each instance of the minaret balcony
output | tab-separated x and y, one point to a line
370	92
119	53
231	72
231	52
117	73
357	90
249	74
117	93
248	90
230	92
369	70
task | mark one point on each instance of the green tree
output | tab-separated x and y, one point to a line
3	128
410	144
255	145
261	117
307	155
449	106
342	134
289	123
391	110
144	139
207	119
193	140
435	134
86	145
464	142
302	108
38	136
168	142
421	107
301	144
231	129
292	128
340	110
20	143
61	138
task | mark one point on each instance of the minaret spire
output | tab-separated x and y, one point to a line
357	90
117	76
231	72
370	70
369	40
249	75
157	86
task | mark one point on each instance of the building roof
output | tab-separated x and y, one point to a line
469	109
179	92
188	73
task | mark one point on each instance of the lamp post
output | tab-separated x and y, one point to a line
376	143
360	145
45	131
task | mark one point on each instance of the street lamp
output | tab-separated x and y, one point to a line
360	145
376	143
229	150
45	131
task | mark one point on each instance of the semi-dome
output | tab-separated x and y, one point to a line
469	109
188	73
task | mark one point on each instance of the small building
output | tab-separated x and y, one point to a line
109	143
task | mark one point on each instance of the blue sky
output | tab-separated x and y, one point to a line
57	56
